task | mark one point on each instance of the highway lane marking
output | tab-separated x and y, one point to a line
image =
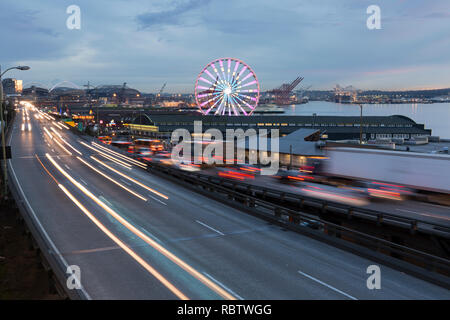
47	237
327	285
438	206
209	227
65	165
425	214
435	216
404	210
223	286
151	235
128	184
215	235
156	199
83	181
105	200
91	250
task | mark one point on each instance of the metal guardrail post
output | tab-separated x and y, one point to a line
277	212
301	203
379	219
413	229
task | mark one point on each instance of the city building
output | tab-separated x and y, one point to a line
12	86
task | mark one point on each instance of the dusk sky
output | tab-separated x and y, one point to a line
147	43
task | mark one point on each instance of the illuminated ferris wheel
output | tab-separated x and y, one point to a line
227	86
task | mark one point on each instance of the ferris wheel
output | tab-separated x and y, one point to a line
227	86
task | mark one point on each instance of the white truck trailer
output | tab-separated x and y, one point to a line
420	171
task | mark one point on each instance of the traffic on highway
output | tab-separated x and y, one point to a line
136	235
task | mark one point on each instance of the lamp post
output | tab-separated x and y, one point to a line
5	172
360	124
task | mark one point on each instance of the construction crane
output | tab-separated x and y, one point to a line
162	89
283	93
121	96
158	95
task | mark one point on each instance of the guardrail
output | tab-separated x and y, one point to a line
301	200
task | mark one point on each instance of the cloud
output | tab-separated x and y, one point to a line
173	16
147	42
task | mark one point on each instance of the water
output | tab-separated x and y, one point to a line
435	116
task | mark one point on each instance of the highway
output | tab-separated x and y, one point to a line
137	236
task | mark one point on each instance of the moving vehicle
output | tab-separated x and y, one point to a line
391	174
154	145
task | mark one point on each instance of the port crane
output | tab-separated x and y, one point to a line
283	93
162	89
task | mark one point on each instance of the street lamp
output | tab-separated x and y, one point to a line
5	172
360	124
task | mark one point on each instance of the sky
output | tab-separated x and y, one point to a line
147	43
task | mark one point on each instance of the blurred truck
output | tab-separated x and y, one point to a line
392	171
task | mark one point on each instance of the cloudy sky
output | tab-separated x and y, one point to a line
147	43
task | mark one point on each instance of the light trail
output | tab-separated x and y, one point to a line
127	249
56	132
135	162
57	125
23	126
48	133
72	147
105	155
64	126
121	163
131	179
112	180
144	237
62	147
